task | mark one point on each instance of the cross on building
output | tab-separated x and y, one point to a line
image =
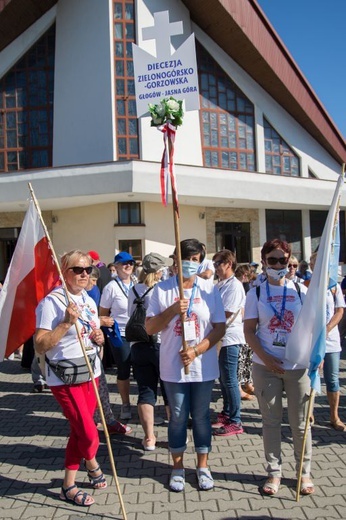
161	32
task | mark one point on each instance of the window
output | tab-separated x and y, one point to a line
227	118
125	100
129	213
280	158
26	108
285	225
317	222
134	247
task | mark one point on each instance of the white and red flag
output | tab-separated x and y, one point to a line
31	276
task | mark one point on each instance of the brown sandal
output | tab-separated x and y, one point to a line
338	425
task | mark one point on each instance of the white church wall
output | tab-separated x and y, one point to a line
83	97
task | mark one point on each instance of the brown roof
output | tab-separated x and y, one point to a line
242	30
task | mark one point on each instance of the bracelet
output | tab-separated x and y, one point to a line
195	351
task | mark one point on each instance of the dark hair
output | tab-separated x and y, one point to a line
276	243
244	269
227	256
190	247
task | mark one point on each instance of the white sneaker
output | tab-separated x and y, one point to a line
125	412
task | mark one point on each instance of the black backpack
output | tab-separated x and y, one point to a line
135	327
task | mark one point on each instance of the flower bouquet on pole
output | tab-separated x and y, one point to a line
167	116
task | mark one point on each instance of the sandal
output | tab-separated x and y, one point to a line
338	425
271	486
205	480
99	481
86	500
307	488
177	480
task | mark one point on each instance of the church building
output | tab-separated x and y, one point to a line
259	159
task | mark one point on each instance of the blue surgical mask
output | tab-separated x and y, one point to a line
189	268
276	274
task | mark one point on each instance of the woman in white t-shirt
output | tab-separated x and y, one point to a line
331	362
57	339
188	394
270	313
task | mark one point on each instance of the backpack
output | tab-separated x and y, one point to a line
135	327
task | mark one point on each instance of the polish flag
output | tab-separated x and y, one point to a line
31	276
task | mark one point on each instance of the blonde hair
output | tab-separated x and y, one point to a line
149	279
293	259
69	259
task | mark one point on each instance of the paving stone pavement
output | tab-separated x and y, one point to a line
33	435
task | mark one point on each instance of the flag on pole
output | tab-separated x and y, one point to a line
31	276
307	342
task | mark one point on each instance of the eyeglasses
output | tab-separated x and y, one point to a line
273	261
79	270
293	265
219	262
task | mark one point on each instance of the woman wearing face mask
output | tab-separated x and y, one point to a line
270	313
188	394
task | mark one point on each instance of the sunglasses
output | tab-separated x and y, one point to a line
127	263
293	265
273	261
78	270
219	262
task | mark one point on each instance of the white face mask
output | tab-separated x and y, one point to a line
189	268
277	274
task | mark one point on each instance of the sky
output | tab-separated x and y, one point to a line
314	33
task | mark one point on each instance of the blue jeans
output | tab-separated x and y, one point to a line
331	367
189	399
228	364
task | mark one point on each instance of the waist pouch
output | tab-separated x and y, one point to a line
72	371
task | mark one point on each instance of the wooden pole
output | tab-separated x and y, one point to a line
178	258
91	373
307	425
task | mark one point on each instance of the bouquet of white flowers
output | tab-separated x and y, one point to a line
169	109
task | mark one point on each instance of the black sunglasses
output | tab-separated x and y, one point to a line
129	262
293	265
219	262
273	261
78	270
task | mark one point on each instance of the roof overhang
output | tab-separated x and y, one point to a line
76	186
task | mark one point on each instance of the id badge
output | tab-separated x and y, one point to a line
189	330
280	338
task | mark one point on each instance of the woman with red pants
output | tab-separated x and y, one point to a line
57	318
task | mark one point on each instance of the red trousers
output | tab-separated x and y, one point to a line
78	403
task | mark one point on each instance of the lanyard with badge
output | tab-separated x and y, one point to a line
280	338
190	324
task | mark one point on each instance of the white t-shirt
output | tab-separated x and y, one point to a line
269	326
206	309
233	298
334	300
141	289
205	266
113	298
50	312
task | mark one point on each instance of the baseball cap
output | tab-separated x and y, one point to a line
94	255
153	262
254	264
123	256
